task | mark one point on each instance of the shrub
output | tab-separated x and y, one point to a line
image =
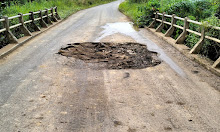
211	49
181	9
202	9
137	1
147	12
217	14
132	10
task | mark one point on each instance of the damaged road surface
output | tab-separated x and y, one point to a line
112	55
123	81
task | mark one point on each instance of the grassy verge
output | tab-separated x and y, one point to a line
131	10
65	7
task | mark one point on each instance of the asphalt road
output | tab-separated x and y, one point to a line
43	91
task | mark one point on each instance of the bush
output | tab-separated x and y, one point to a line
181	9
137	1
202	9
211	49
217	14
198	10
147	13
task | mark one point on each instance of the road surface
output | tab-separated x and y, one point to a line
42	91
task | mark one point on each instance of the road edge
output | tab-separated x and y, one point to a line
205	62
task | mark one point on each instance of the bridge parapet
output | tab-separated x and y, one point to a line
198	46
44	17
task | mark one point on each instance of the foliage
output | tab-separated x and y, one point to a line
140	13
148	11
65	7
181	9
211	48
202	9
131	10
137	1
217	14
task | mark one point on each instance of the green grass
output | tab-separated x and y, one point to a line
131	10
136	9
65	7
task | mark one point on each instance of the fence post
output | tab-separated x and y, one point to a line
160	27
216	63
172	28
42	22
32	23
154	22
9	34
196	48
182	36
53	17
57	15
23	28
48	18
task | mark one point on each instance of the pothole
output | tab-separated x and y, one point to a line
112	55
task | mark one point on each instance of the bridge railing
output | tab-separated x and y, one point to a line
198	46
44	17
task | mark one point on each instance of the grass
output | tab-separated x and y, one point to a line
131	10
65	7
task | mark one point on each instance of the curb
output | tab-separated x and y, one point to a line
205	62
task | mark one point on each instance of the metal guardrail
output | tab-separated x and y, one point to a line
50	15
185	28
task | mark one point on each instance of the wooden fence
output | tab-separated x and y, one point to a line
48	15
186	30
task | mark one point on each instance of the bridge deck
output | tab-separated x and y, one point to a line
44	91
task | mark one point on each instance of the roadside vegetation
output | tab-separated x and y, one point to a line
205	11
65	7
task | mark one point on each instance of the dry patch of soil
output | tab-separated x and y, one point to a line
113	55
